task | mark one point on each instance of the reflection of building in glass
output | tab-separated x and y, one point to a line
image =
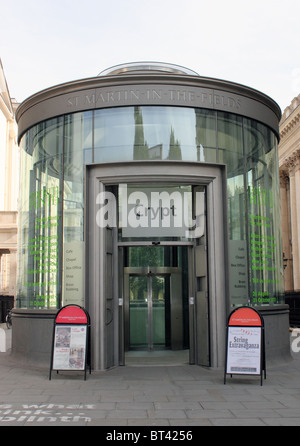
155	152
150	129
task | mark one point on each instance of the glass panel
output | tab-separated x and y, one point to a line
113	135
140	256
206	137
266	272
78	138
158	311
40	218
138	311
230	143
23	296
148	133
230	152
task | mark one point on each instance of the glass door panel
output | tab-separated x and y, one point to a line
138	311
158	312
147	312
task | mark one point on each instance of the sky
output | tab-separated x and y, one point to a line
252	42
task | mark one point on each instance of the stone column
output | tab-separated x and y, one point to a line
286	230
293	164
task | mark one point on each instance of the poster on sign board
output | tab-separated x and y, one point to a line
69	347
244	350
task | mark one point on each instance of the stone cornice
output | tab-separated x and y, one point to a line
292	163
289	124
290	117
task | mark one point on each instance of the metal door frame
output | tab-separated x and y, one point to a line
105	333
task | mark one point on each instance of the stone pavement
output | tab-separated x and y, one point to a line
134	396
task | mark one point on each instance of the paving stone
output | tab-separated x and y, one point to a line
186	395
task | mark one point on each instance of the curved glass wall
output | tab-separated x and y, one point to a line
40	216
150	133
51	217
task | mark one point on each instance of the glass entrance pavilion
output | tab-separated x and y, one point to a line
150	196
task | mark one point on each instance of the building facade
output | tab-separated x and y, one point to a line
149	196
9	190
289	168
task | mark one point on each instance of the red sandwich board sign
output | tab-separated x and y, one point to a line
245	343
71	340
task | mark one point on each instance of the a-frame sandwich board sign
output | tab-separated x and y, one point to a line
245	343
71	349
